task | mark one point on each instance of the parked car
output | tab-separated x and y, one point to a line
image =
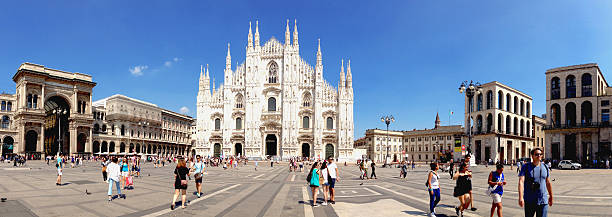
568	164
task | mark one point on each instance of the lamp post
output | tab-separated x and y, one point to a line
58	113
470	89
387	120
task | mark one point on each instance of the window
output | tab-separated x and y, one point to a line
570	87
555	88
489	99
306	98
239	101
605	103
5	122
433	138
122	130
479	103
306	122
271	104
605	116
272	72
239	123
449	137
9	106
330	123
500	99
508	102
586	85
3	106
217	124
412	139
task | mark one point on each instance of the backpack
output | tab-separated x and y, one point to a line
427	181
309	177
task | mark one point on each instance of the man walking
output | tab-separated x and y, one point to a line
335	177
60	166
535	190
373	173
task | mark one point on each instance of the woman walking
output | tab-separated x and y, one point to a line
325	184
104	173
314	182
113	179
433	188
125	172
180	184
198	168
462	188
496	188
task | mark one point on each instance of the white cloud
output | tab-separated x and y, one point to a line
138	70
184	110
170	62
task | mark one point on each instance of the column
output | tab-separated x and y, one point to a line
73	138
579	151
41	141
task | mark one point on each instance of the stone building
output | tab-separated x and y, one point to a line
50	112
275	104
578	114
501	123
539	135
416	145
124	125
8	130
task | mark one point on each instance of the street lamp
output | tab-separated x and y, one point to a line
470	89
387	120
58	113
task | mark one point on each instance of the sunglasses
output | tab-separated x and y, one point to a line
538	154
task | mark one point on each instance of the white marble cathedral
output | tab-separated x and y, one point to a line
275	104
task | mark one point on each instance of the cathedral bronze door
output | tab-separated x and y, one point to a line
238	149
329	151
271	145
217	150
305	150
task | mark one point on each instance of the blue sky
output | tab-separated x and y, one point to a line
407	57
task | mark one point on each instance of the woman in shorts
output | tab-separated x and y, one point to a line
496	185
462	188
314	182
325	185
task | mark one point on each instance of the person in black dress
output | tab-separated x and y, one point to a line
180	184
462	188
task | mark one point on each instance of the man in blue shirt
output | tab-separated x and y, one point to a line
535	190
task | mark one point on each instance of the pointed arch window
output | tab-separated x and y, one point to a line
239	101
272	73
307	99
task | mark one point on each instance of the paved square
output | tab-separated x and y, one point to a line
276	192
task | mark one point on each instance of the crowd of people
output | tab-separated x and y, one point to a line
534	187
323	174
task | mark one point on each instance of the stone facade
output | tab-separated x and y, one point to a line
416	145
125	125
275	104
8	130
578	114
539	135
50	112
501	123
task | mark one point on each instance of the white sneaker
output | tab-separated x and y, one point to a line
324	203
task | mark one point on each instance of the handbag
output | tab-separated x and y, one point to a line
184	182
197	176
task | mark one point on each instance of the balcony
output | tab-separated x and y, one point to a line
577	125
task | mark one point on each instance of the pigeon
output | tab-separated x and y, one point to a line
86	192
361	183
3	199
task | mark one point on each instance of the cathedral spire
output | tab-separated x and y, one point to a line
228	58
207	73
250	40
295	34
319	57
342	81
287	35
349	75
437	120
257	33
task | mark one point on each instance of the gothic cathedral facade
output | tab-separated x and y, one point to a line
276	105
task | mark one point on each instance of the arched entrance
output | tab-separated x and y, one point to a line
57	111
31	139
238	149
305	150
271	147
329	151
7	146
111	147
81	139
138	148
217	150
